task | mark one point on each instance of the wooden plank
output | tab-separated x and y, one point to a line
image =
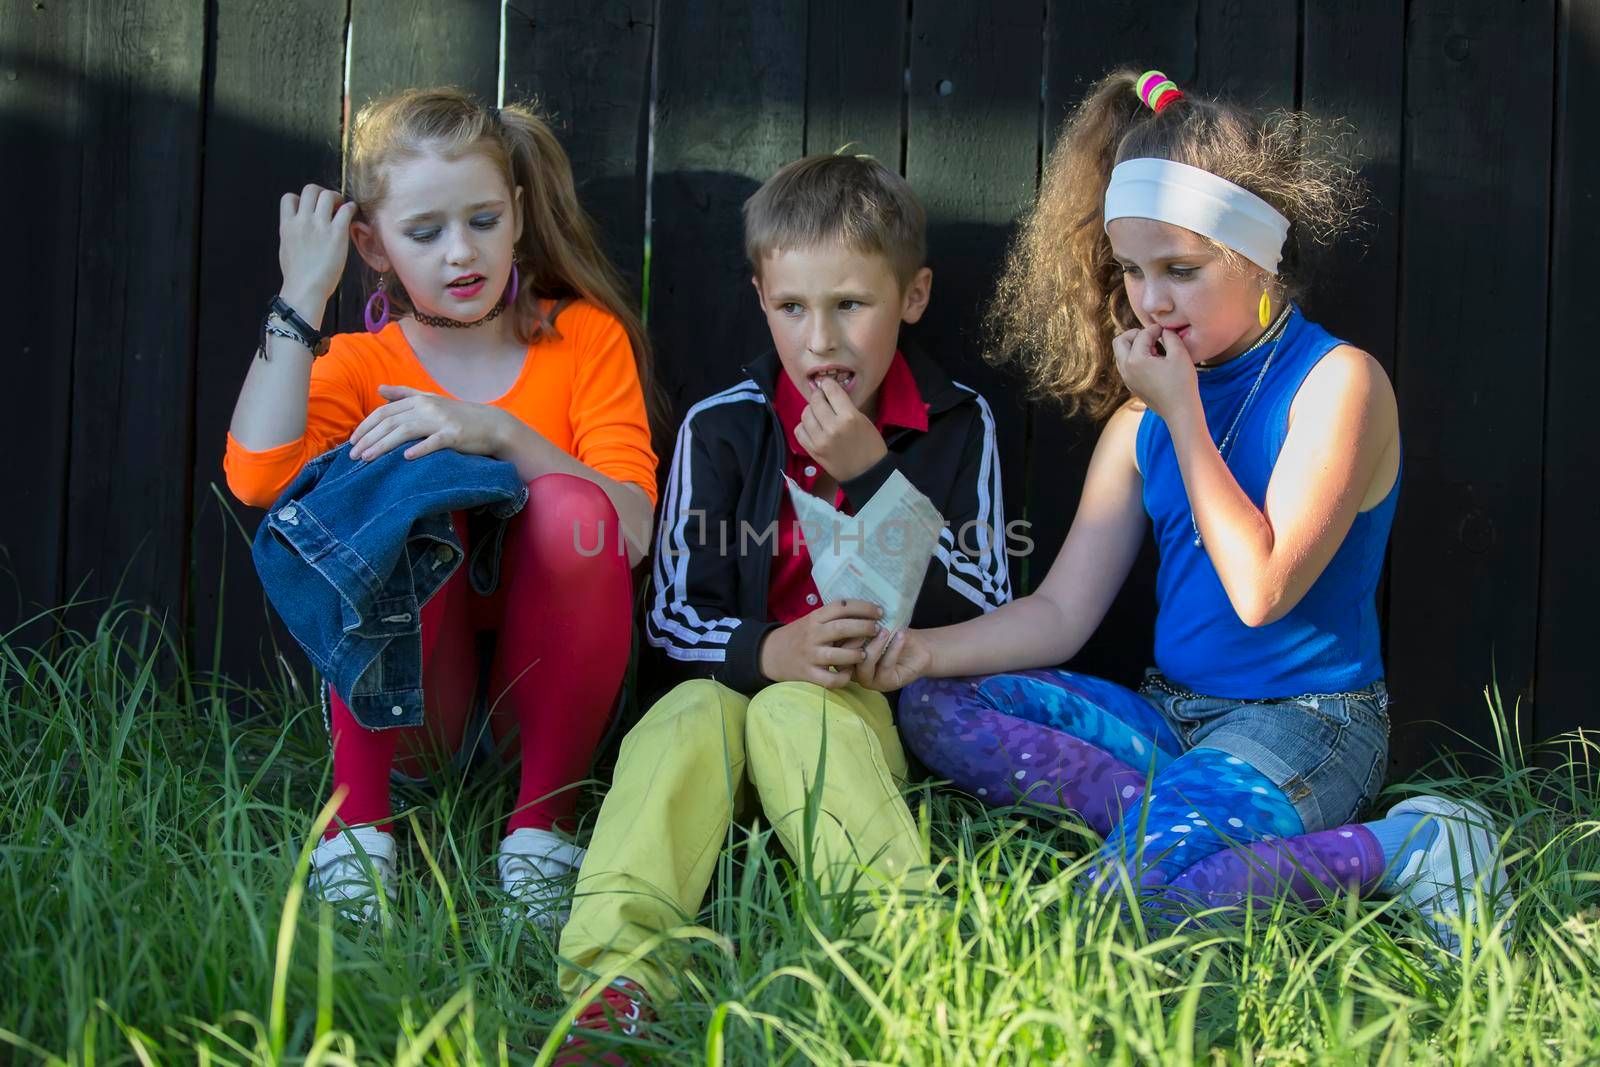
41	103
1248	51
1353	66
403	44
1083	43
855	80
588	65
722	128
273	123
1470	367
1569	583
130	460
972	155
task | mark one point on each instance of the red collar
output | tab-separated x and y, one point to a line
900	403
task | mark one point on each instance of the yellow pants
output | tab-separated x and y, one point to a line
680	780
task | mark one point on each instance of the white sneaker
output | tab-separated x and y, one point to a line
349	880
1461	866
532	865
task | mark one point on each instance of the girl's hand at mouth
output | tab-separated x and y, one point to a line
1163	377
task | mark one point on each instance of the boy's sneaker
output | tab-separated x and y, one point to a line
349	869
1460	867
623	1008
532	865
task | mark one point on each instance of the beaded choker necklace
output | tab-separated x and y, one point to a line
456	324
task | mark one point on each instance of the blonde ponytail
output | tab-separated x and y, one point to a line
558	253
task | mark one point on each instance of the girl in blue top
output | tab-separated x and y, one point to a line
1153	287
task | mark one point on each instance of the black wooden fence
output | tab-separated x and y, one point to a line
144	145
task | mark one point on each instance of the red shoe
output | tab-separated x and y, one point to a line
623	1007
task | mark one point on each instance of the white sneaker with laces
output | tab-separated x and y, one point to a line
532	865
349	880
1460	867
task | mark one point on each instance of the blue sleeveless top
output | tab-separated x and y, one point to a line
1329	642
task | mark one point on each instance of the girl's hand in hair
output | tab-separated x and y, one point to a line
895	659
432	422
1164	382
313	242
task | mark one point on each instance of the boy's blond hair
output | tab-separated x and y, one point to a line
852	200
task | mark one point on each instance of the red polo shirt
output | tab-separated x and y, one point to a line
792	593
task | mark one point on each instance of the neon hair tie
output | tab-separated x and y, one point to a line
1157	90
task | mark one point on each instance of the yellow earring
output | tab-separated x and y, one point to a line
1264	310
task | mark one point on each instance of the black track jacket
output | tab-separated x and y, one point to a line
707	605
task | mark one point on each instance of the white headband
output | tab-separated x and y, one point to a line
1200	201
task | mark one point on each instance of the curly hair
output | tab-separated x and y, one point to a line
1060	298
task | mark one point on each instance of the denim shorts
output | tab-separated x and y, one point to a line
1328	752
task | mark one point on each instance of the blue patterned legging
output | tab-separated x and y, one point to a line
1210	826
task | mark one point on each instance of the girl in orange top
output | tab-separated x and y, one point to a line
496	328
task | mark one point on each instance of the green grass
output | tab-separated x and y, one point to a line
152	851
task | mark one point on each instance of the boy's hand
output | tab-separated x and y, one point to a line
893	661
837	435
803	650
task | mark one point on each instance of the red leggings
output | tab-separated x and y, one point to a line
562	612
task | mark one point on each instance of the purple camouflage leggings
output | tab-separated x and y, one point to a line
1211	830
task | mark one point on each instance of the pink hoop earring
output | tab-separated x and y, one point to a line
377	322
516	281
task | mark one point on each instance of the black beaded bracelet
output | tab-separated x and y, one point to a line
297	329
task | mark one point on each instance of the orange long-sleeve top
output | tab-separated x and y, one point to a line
579	390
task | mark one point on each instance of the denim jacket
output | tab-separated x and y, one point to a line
353	549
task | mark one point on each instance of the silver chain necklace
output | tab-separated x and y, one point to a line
1275	335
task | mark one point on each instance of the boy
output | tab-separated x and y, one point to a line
837	247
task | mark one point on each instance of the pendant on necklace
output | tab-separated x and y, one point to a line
1275	335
